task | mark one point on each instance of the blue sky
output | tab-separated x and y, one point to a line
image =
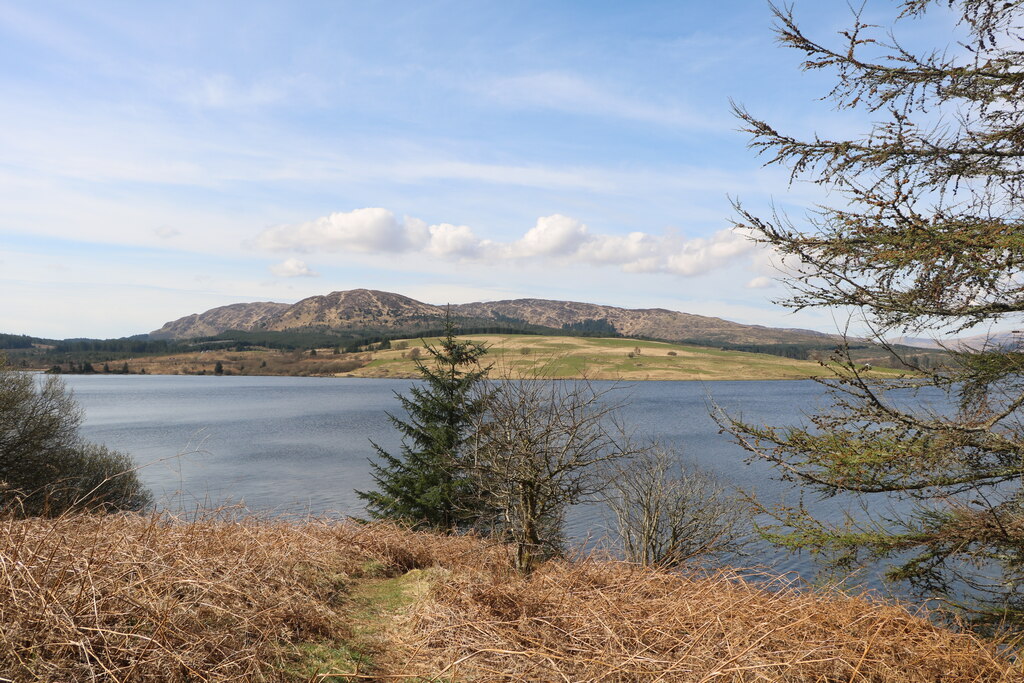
159	159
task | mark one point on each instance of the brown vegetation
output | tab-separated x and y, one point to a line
130	598
134	598
604	621
252	362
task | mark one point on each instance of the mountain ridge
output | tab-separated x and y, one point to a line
374	309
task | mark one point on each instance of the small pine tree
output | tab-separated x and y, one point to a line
423	485
218	369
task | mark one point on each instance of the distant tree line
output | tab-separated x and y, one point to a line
383	340
17	341
594	327
87	368
861	351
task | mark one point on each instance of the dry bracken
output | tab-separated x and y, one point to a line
235	598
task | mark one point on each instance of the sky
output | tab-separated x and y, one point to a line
159	159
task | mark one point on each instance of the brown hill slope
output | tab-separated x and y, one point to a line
352	309
216	320
364	308
355	308
657	323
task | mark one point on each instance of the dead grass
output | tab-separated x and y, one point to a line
607	621
253	362
130	598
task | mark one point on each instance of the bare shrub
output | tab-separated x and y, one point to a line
670	512
538	449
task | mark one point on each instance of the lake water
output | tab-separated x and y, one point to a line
291	445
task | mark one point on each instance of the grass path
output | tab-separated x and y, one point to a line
371	607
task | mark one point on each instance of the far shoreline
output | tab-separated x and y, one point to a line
549	357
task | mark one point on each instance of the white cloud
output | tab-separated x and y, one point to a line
292	267
701	255
363	230
772	263
558	238
636	248
447	240
760	282
554	235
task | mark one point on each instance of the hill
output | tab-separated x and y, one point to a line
364	309
220	598
651	323
360	320
216	320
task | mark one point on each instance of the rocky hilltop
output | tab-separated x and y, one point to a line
216	320
655	323
361	309
354	309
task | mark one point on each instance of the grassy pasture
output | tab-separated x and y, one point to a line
608	358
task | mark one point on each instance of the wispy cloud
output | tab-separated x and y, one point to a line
555	238
224	91
166	232
567	92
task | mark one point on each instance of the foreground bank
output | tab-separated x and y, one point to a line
136	598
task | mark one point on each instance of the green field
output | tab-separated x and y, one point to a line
607	358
